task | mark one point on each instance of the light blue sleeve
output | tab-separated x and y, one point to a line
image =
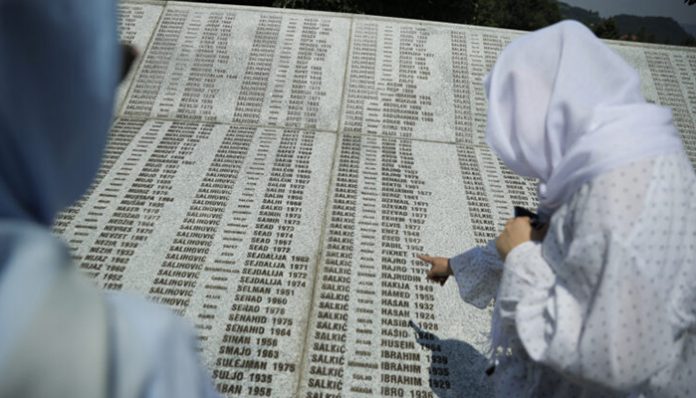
478	272
153	352
150	351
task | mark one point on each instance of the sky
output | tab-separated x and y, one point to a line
662	8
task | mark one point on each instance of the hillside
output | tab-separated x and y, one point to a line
655	29
589	18
691	28
630	27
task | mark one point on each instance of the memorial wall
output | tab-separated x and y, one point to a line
272	174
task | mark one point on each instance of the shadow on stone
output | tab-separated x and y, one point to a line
457	369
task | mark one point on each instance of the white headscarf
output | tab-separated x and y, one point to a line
564	108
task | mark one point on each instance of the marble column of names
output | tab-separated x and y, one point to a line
496	187
522	191
479	209
234	251
492	188
405	297
689	65
394	82
307	73
359	116
485	48
120	136
286	49
255	82
306	88
268	310
199	59
477	69
188	253
128	17
211	41
374	312
178	273
672	73
153	164
156	64
136	22
273	281
401	106
326	361
669	92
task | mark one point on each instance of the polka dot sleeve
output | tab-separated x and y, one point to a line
477	273
615	339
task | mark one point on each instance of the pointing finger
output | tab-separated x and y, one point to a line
425	258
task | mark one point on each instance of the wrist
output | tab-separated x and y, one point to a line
520	250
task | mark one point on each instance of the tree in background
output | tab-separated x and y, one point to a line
520	14
511	14
644	36
607	29
351	6
436	10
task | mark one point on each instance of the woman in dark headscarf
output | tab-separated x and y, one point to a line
59	336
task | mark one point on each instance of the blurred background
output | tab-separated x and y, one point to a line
653	21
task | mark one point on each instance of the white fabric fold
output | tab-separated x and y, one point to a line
564	108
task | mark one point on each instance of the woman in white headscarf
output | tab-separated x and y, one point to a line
59	336
605	303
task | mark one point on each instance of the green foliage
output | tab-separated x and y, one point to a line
631	27
606	29
437	10
512	14
691	41
520	14
531	14
655	29
489	13
644	36
351	6
588	17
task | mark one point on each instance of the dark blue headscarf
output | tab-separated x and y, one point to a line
59	66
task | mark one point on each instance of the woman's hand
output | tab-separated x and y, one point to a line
517	231
440	269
